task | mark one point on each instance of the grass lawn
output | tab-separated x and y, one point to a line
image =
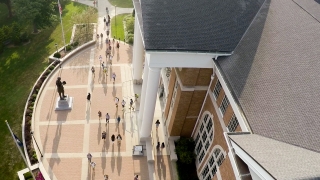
19	69
122	3
117	26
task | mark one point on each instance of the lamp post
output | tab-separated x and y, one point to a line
36	143
56	46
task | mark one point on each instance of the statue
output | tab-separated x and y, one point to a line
60	88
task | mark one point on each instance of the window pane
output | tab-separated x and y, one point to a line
201	127
204	136
233	124
211	161
205	118
224	105
216	152
207	145
214	170
209	126
220	160
217	89
201	156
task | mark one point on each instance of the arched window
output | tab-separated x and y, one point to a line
216	159
204	136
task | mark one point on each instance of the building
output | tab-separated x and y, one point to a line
240	77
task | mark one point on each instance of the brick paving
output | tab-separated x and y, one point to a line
65	137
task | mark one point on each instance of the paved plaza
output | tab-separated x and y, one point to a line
65	137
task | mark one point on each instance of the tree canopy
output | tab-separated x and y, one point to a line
38	12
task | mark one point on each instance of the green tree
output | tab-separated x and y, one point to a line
38	12
15	33
185	150
8	4
2	39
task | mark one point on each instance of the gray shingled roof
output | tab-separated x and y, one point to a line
189	25
275	74
282	160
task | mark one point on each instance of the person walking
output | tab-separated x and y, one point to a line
113	137
114	77
116	100
101	35
136	177
157	124
89	97
89	156
99	114
131	103
123	103
103	135
118	45
107	118
102	65
104	19
136	96
158	146
93	165
100	59
106	177
118	120
110	58
93	70
119	138
162	145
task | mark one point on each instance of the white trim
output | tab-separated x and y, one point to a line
233	104
217	109
182	59
252	164
232	158
205	99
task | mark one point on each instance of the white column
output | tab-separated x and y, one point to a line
138	51
150	102
143	92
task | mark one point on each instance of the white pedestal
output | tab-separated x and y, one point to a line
65	104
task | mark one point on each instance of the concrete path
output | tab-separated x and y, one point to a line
65	137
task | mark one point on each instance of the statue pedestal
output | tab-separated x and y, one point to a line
65	104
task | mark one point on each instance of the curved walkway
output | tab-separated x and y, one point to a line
65	137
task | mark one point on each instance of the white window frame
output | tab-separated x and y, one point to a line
217	89
233	123
224	105
214	165
204	131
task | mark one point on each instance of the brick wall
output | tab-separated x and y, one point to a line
188	126
204	77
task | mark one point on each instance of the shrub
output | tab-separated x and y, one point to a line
51	68
68	48
16	33
57	55
130	40
24	37
7	31
34	155
130	25
133	13
34	96
185	150
27	175
30	107
75	43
